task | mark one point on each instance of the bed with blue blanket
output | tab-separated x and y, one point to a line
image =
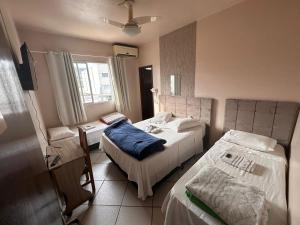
134	141
148	158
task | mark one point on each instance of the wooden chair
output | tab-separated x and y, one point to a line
88	170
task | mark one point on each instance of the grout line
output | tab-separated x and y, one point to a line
121	204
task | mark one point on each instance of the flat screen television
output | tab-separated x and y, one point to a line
26	71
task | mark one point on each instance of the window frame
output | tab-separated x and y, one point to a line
86	62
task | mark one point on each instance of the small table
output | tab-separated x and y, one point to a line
66	173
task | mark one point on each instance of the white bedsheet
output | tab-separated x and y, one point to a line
269	177
179	147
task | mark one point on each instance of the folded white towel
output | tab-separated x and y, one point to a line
238	161
235	202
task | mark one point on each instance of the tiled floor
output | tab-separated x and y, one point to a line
116	201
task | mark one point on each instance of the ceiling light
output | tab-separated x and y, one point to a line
131	30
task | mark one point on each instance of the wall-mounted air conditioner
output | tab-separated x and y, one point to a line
124	50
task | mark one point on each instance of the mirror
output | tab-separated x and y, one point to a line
175	84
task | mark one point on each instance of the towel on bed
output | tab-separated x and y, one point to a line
133	141
235	203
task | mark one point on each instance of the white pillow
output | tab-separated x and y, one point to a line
112	117
59	133
180	124
249	140
161	118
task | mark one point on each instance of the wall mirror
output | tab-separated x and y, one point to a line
175	84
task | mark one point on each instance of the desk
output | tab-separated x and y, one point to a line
66	174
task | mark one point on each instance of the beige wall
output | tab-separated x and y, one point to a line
39	41
149	55
177	56
249	51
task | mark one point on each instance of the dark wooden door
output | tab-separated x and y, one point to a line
146	83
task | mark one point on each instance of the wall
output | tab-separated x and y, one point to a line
251	50
39	41
149	55
177	56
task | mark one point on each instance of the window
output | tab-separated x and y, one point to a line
94	82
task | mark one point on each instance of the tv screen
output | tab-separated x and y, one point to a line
27	74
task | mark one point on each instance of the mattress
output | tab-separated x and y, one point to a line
180	146
93	135
269	176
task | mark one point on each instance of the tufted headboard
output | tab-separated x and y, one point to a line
180	106
269	118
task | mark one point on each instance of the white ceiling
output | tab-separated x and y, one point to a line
81	18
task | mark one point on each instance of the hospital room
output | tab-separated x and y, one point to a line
150	112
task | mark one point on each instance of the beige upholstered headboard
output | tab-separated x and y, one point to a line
269	118
294	178
180	106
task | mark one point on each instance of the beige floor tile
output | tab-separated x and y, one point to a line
111	193
157	217
134	216
89	188
160	193
101	215
100	171
101	158
115	173
79	212
98	184
131	197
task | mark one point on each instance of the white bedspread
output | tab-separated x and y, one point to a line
179	147
269	176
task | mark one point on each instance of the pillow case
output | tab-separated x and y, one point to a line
161	118
249	140
112	118
181	124
59	133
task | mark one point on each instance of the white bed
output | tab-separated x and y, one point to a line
180	147
269	176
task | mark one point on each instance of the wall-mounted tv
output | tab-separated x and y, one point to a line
26	73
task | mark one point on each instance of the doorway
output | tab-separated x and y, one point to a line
146	83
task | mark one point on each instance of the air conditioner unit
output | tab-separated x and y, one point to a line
124	50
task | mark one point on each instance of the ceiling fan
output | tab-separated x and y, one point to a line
133	26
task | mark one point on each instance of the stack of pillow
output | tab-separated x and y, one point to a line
165	120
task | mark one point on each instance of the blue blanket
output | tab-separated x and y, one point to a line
133	141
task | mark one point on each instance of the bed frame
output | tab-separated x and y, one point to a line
181	106
269	118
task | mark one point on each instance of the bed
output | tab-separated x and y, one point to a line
272	119
180	146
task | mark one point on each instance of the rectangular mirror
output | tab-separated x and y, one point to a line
175	84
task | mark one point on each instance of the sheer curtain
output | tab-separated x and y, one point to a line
118	73
66	92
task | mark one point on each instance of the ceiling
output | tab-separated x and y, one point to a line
82	18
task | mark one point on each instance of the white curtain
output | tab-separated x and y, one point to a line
118	73
66	92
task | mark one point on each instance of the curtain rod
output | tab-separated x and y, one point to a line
75	54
